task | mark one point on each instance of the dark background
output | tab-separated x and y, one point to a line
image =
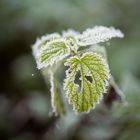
25	110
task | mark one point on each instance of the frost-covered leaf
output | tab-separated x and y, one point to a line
56	98
94	76
71	37
98	34
51	53
41	42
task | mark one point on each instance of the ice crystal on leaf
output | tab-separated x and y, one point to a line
98	34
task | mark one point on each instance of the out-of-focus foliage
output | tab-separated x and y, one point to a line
24	96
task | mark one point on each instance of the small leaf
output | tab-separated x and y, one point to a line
71	38
41	42
52	52
98	34
94	76
56	98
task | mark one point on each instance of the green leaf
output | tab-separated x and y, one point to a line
41	42
94	77
56	98
71	38
52	53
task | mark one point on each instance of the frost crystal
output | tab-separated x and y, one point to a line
99	34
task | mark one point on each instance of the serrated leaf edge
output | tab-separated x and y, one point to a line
106	81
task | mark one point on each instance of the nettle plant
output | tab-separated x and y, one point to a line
84	62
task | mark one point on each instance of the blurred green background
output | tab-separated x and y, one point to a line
25	110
